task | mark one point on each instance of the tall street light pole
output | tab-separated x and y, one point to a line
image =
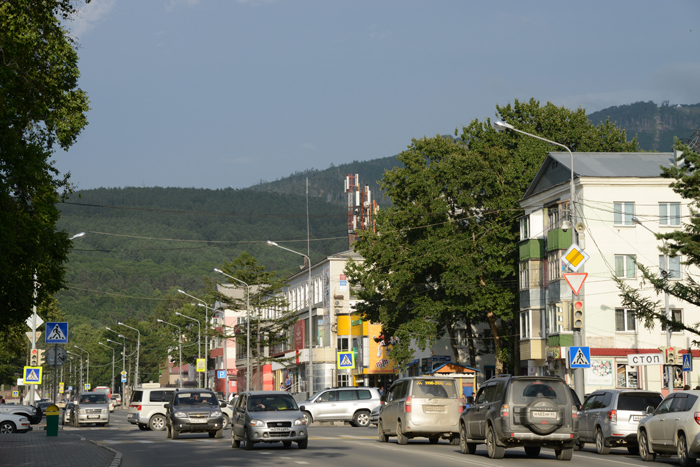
309	294
248	375
123	343
112	364
199	338
80	389
88	364
670	377
206	334
179	341
577	338
138	351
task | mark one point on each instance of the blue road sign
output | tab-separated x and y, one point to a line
687	362
123	378
579	357
56	333
32	375
346	360
221	374
70	388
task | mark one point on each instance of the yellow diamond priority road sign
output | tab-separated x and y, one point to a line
575	257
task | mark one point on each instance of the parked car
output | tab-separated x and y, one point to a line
92	407
521	411
421	406
349	404
147	408
672	428
11	423
67	413
117	399
32	414
610	418
194	411
268	417
374	415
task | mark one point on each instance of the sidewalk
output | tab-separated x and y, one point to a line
35	449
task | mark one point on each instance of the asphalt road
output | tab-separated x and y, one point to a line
337	446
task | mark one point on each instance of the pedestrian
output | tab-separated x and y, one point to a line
288	384
2	399
381	392
686	387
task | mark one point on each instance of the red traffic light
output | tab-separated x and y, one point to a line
33	351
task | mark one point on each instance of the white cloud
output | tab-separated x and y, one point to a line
89	16
308	146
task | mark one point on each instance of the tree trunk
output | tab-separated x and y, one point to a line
453	341
470	343
491	317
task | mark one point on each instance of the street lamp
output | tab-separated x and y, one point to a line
206	334
665	273
179	345
138	348
112	363
88	364
309	294
577	338
123	343
248	375
80	390
199	336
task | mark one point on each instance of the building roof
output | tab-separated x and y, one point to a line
556	168
451	367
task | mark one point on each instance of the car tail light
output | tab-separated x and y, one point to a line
574	411
461	409
407	405
697	418
505	410
612	415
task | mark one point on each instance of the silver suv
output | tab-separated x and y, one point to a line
147	407
421	407
346	404
610	418
92	407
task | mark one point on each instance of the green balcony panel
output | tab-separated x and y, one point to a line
531	249
557	239
561	340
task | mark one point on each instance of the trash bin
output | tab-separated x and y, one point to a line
52	414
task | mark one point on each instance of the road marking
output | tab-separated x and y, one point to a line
111	441
264	452
301	462
145	441
358	437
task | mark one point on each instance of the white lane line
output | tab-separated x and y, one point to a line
111	441
358	437
264	452
144	441
300	462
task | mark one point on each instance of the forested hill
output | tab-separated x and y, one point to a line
654	125
142	243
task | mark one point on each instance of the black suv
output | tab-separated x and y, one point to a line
529	411
194	411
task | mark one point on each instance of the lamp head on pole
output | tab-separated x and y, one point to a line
635	220
218	270
159	320
178	313
271	243
81	234
120	323
502	126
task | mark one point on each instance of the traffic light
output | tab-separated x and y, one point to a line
34	358
41	357
670	356
578	314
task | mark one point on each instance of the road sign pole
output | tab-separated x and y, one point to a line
55	373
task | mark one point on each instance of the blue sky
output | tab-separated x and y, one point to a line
224	93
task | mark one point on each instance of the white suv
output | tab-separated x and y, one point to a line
147	407
347	404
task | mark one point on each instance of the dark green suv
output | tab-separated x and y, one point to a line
521	411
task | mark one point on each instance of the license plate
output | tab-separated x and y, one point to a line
544	414
279	429
198	420
434	408
636	418
93	416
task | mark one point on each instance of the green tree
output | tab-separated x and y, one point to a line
41	106
444	254
684	242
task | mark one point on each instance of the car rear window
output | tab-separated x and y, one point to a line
161	396
433	388
525	391
347	395
364	394
136	396
637	401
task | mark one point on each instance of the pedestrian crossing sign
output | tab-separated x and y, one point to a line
32	375
56	333
346	360
15	393
687	362
579	357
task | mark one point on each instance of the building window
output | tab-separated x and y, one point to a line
489	372
677	316
555	319
343	380
525	332
624	212
624	266
670	214
624	320
343	344
677	372
524	275
627	376
553	217
524	228
674	266
554	265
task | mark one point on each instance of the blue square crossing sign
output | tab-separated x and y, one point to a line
579	357
56	333
346	360
687	362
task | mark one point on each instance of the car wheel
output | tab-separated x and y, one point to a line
493	450
286	444
218	434
167	432
402	439
157	423
634	450
361	419
105	424
433	440
143	426
644	448
464	445
383	438
303	443
6	428
227	421
532	451
682	449
564	454
579	446
600	446
211	433
174	434
454	441
308	417
248	443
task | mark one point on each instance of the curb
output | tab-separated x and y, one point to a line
116	461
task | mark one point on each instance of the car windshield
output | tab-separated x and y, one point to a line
196	398
271	403
525	391
638	401
434	388
93	399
